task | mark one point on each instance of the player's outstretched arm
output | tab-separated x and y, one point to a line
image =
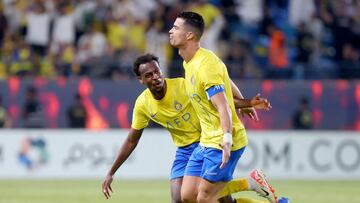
237	95
126	149
220	102
257	102
243	104
248	106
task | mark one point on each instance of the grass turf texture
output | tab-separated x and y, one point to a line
157	191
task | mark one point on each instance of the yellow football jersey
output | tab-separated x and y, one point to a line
173	112
203	71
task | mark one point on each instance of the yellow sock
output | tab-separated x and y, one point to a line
234	186
248	200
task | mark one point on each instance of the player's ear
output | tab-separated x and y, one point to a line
190	35
140	80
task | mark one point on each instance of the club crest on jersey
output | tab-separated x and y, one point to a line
177	105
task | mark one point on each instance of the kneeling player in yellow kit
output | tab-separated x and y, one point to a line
165	102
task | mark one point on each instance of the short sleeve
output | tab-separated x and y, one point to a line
139	119
211	73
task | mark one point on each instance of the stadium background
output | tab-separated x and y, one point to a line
71	56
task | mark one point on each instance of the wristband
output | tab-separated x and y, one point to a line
227	138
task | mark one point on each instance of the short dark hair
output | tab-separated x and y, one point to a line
195	20
142	60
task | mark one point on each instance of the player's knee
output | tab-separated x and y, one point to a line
188	200
188	197
202	199
176	190
205	197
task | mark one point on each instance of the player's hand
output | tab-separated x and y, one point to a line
251	112
226	150
260	103
256	102
106	186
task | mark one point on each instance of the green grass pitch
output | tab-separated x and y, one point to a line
157	191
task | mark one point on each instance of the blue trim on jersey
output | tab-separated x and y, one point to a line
214	90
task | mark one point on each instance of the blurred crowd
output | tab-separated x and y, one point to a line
32	112
287	39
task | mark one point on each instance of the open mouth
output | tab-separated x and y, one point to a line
157	84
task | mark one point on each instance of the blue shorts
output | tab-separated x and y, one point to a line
205	163
182	157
